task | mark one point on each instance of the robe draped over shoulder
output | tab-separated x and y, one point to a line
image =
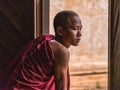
34	67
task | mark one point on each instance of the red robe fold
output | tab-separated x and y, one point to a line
34	67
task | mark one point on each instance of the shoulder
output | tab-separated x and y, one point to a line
60	52
58	48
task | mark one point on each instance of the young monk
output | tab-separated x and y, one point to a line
43	62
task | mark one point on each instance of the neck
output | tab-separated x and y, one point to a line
61	41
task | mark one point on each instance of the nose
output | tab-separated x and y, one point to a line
79	33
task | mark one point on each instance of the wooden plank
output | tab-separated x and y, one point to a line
16	29
114	27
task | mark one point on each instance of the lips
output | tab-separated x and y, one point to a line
78	40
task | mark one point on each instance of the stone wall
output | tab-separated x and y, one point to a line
94	42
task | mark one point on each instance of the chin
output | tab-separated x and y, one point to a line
76	44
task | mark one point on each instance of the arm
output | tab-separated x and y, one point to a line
60	68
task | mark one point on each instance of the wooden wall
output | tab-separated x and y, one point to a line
114	44
16	28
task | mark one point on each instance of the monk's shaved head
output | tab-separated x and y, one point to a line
61	18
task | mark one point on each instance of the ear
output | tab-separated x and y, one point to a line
60	30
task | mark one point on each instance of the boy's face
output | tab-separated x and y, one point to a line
72	32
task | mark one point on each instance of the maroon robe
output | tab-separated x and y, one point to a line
34	69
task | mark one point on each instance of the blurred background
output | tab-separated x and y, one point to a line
89	60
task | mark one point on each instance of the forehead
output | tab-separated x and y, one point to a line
74	20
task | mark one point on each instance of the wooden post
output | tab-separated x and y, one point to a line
114	28
41	17
37	18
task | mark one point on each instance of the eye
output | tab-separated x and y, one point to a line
75	28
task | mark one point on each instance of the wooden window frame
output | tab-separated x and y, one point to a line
41	17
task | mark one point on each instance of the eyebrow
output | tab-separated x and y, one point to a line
76	26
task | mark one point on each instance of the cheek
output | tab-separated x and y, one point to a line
73	34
